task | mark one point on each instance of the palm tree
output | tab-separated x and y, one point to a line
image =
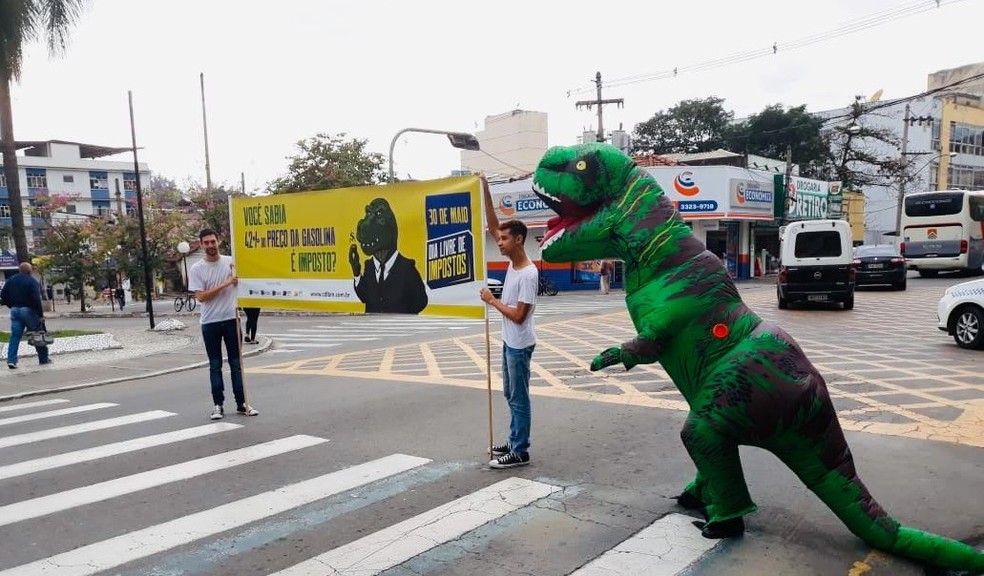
23	21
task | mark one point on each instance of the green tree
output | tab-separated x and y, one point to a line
22	22
775	130
327	161
212	208
72	255
691	126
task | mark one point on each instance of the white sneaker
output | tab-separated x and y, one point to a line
217	413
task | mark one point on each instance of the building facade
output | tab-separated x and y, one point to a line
92	187
512	144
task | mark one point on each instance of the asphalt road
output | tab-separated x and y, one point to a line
345	399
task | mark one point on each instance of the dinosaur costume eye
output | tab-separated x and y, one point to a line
581	165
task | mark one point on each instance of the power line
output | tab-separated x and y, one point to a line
871	21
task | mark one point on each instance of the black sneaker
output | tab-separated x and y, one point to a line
247	410
511	460
500	449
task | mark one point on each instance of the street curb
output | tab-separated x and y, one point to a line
266	346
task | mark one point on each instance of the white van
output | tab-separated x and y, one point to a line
816	263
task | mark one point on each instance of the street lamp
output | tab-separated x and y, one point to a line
905	164
461	140
184	248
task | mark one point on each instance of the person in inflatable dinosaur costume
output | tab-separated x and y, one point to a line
746	381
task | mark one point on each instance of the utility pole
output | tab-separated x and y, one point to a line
242	177
905	166
788	183
148	284
599	101
208	170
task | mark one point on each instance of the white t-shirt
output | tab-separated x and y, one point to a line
204	275
520	286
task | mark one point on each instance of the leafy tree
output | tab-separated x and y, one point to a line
691	126
72	255
775	130
21	22
212	208
326	161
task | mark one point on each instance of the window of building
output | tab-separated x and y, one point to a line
68	179
965	177
36	178
98	181
131	210
3	178
967	139
4	211
129	182
101	208
71	208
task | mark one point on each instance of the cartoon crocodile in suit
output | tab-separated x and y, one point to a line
746	381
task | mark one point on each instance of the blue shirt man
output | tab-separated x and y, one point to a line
22	294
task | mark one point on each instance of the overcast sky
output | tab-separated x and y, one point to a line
278	72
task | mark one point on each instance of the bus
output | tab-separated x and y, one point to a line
943	230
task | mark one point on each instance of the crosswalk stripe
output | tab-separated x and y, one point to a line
44	505
296	336
400	542
131	546
114	449
32	404
53	413
82	428
317	344
673	540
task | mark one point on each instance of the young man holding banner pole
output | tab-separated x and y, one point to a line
518	333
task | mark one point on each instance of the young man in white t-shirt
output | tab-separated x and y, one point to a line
518	334
213	280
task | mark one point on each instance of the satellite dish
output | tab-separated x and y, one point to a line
876	96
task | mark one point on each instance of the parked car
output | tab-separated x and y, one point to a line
879	264
495	287
960	313
815	263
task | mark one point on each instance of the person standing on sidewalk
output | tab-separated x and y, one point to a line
22	294
213	280
604	277
252	321
518	334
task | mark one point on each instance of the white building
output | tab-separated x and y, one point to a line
92	186
512	144
939	124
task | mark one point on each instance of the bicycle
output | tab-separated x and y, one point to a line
187	301
546	286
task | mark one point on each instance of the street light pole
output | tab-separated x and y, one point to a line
184	248
461	140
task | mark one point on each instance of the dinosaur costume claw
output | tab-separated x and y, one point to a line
746	381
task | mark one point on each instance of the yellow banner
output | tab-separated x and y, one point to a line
411	248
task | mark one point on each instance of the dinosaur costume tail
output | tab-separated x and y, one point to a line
842	491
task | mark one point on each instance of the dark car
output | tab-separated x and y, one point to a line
879	264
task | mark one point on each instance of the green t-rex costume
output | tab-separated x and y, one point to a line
746	381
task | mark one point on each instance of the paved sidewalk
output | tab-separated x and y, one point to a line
144	354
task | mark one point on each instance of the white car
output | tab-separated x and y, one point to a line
961	313
495	287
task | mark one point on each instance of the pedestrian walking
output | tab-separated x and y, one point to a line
22	294
604	277
252	322
213	280
120	296
516	305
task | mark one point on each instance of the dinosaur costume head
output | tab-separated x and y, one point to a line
377	231
582	184
609	208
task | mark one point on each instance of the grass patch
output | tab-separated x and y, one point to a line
5	336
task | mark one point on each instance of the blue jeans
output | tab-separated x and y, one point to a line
516	388
214	334
21	319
